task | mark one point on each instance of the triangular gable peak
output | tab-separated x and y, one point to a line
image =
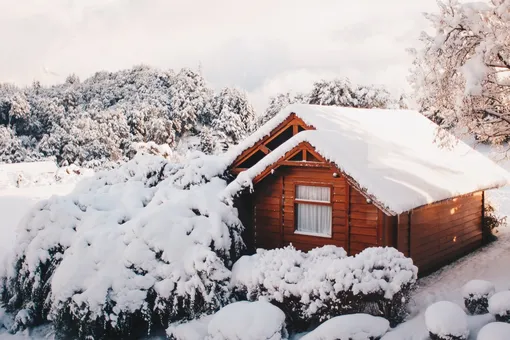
283	132
305	155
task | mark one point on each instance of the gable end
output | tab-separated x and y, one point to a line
283	132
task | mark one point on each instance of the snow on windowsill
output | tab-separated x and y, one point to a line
312	234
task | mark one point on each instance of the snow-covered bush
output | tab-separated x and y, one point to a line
494	331
348	327
446	321
248	321
492	221
238	321
189	330
150	242
23	319
476	294
499	306
323	283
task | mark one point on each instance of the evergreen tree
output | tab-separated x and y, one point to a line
234	115
190	101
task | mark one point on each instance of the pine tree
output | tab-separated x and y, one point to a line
190	101
234	115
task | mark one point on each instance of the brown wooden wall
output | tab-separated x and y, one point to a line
365	223
432	235
293	176
357	224
444	231
268	213
403	232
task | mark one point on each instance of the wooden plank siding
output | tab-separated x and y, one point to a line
356	224
444	231
309	176
268	212
403	231
364	223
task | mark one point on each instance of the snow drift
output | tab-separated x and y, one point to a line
149	242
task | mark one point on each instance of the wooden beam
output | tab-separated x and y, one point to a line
294	129
292	120
237	171
264	149
306	164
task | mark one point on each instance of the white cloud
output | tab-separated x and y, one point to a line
262	46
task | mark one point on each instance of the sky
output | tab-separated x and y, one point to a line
264	47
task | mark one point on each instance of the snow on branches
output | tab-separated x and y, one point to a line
149	242
461	76
93	122
336	92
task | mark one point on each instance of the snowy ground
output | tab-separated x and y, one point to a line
14	204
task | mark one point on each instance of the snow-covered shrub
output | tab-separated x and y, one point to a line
150	242
189	330
476	294
273	274
348	327
446	321
248	321
23	319
492	221
378	281
323	283
499	306
494	331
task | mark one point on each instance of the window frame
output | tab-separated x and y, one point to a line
313	202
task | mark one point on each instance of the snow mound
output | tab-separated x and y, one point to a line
191	330
499	305
350	327
494	331
150	238
476	289
248	321
446	320
30	174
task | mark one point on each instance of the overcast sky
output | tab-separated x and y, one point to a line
262	46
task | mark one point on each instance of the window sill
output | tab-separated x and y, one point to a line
312	234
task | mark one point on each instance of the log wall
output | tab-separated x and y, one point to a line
444	231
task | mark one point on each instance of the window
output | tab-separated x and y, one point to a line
313	210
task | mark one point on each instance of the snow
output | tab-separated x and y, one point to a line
476	289
499	303
350	327
321	276
446	320
403	168
495	331
31	168
191	330
248	321
15	203
147	225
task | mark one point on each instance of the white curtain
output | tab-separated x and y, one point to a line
313	218
311	193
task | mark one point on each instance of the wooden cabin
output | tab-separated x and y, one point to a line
357	178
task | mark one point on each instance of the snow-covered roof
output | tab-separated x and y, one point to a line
392	154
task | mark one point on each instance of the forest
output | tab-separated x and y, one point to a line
98	122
